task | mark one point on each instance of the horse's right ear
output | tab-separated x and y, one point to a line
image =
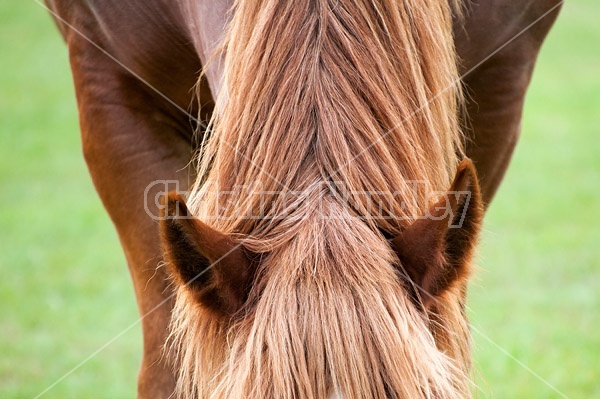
215	269
435	251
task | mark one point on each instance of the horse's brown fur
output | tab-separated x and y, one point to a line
327	312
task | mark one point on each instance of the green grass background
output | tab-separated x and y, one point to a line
65	290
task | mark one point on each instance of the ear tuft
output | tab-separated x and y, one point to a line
436	250
209	264
173	205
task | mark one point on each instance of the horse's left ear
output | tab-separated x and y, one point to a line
435	251
215	269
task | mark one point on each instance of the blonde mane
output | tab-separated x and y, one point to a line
324	101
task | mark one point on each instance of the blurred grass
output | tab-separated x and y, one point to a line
65	290
537	291
64	286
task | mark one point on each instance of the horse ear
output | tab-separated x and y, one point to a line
213	267
435	251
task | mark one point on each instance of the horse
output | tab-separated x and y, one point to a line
297	287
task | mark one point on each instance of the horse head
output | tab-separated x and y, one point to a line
218	275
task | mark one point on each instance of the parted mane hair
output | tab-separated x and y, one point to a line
328	100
